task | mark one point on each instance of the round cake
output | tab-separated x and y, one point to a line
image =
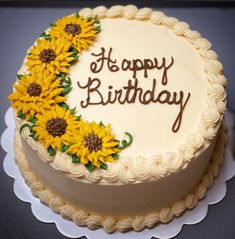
119	116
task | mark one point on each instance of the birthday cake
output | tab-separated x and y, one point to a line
119	117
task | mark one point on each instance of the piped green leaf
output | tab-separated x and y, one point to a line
115	156
63	105
33	135
19	77
68	82
46	36
65	91
21	115
96	20
52	24
75	159
75	59
73	110
64	147
104	166
101	124
79	117
77	15
43	34
51	151
33	119
98	29
32	132
62	76
30	127
125	143
74	51
90	166
74	55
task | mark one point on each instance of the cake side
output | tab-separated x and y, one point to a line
138	169
93	220
120	199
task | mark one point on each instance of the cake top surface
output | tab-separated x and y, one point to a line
149	90
155	105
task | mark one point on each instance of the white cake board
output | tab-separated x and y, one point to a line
69	229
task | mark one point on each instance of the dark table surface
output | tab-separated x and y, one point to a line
19	27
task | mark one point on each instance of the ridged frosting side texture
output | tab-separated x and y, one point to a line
112	224
124	170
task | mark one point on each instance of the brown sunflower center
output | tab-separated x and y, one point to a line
47	55
34	89
93	143
73	29
56	126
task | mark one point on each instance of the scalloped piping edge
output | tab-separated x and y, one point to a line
112	224
125	171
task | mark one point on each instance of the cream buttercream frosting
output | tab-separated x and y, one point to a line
199	73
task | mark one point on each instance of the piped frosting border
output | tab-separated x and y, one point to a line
141	169
111	224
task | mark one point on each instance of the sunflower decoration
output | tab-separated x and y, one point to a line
52	56
35	93
56	128
40	96
94	146
77	30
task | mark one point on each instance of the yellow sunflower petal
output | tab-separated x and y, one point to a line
49	95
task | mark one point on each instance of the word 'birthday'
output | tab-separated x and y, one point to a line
132	92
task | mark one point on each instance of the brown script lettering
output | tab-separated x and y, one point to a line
132	93
134	65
